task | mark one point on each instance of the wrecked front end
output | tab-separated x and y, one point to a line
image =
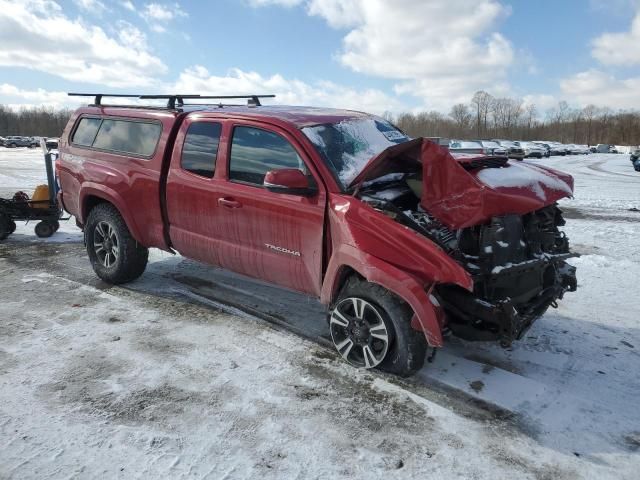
519	269
498	220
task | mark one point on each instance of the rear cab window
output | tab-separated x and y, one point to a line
132	137
200	148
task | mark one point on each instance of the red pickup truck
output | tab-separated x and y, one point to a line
403	241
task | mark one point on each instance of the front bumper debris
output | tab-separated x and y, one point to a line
472	318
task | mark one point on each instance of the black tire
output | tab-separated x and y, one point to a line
12	226
131	259
407	347
5	226
12	145
45	229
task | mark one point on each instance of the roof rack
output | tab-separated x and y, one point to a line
173	101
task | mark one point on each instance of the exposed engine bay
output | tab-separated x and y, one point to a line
517	262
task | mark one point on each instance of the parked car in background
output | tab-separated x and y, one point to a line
481	147
547	149
14	141
561	148
466	146
2	141
531	150
635	159
606	148
579	149
553	148
515	151
493	148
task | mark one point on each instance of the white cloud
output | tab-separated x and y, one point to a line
339	13
39	97
543	102
35	34
281	3
619	48
197	79
128	5
91	6
159	15
439	50
602	89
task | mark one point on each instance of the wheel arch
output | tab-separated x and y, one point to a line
91	196
350	261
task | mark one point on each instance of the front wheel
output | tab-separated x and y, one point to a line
115	255
371	328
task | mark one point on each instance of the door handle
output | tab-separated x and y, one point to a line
229	202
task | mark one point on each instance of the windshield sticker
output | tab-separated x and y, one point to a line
394	135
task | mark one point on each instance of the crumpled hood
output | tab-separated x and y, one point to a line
461	198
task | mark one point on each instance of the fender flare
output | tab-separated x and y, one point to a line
426	315
109	195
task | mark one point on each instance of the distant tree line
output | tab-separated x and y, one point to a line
484	117
487	117
33	121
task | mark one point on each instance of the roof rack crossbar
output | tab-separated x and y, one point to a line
173	100
98	96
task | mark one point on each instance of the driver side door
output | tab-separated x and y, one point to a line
275	237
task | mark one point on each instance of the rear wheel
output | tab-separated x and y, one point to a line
115	255
371	328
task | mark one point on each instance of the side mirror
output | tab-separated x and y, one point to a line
289	180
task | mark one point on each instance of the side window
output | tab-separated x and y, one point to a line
255	151
138	138
86	131
200	148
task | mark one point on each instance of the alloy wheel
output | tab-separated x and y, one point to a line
359	333
105	244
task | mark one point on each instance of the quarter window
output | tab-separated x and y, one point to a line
86	131
138	138
200	148
254	152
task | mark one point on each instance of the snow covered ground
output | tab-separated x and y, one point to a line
172	378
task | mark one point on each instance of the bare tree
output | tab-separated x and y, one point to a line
484	117
531	113
481	102
34	121
461	115
589	112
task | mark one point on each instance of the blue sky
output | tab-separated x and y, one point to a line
368	54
